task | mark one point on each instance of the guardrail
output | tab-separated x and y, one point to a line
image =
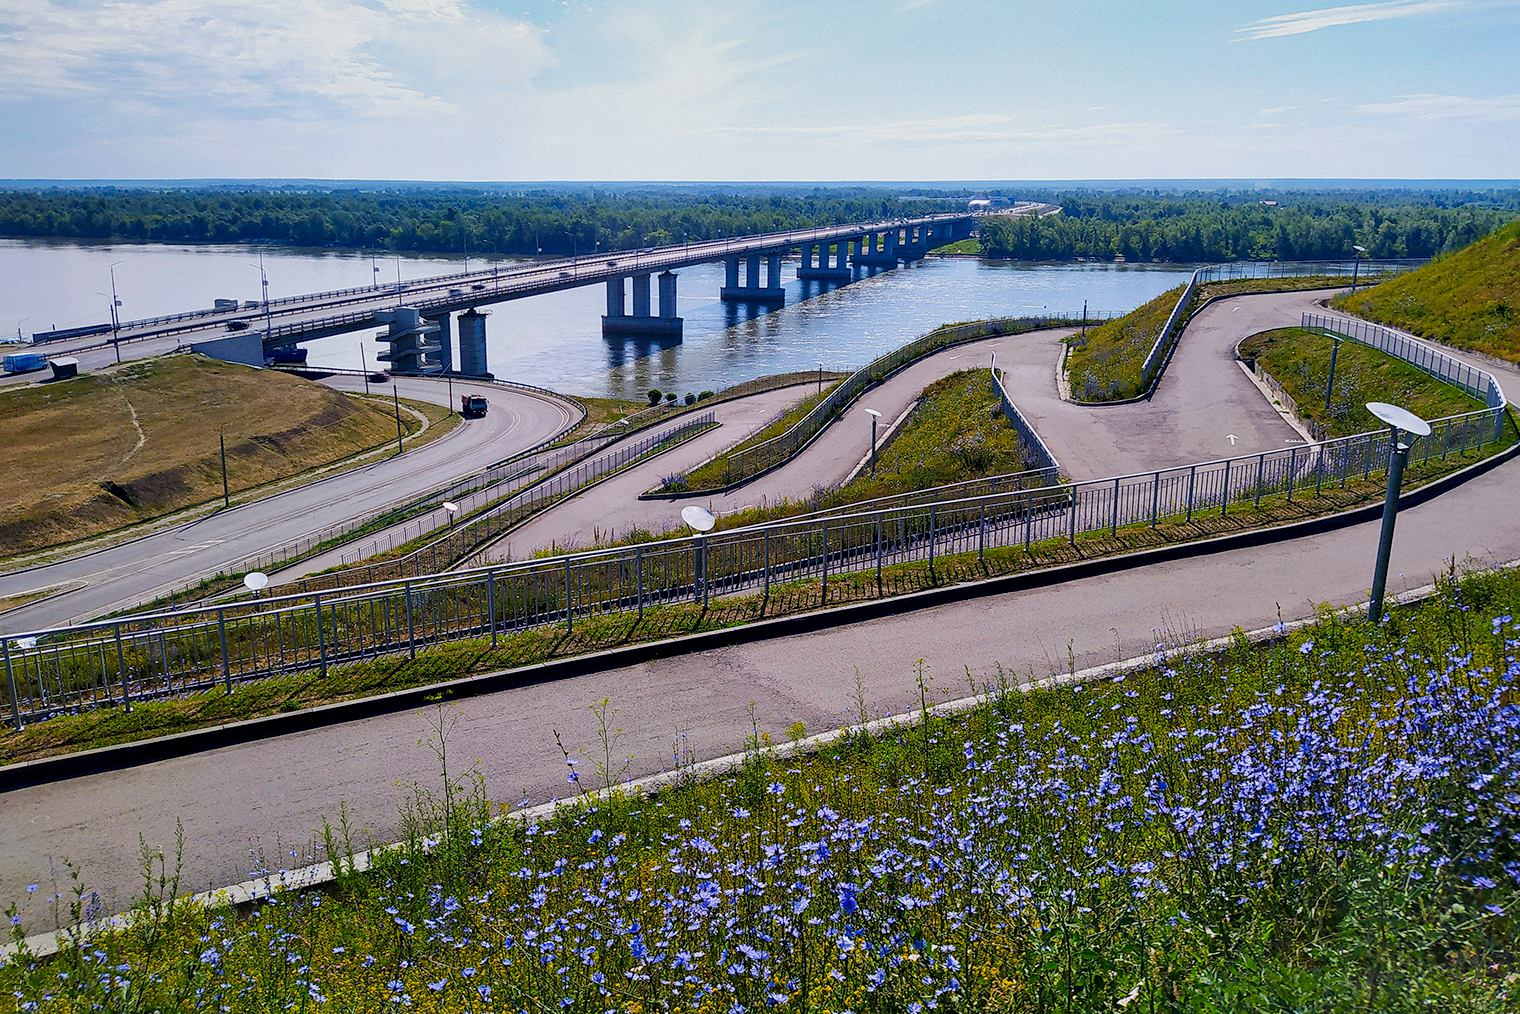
1034	449
762	457
127	659
1155	360
1477	382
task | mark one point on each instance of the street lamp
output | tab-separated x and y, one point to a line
264	281
23	320
255	581
875	415
450	508
701	521
115	315
820	376
1401	422
1356	263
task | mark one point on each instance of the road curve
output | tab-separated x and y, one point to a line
147	567
249	806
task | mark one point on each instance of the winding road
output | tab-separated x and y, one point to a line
257	805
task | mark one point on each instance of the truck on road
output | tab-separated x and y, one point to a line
24	362
472	406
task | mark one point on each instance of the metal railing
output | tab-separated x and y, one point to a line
1035	452
1472	380
1150	370
752	461
119	661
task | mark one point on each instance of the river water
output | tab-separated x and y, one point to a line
555	340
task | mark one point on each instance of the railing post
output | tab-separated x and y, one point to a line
638	567
1113	528
491	603
1071	524
221	633
1292	470
1192	479
931	540
981	533
569	616
10	682
1155	498
121	670
878	554
411	630
825	591
321	636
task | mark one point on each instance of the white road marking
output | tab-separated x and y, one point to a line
1232	438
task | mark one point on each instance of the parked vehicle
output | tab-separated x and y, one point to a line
472	406
288	355
24	362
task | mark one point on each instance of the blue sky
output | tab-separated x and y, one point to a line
758	89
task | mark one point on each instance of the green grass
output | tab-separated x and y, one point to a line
1105	364
971	247
1321	823
1469	299
458	659
1300	361
714	474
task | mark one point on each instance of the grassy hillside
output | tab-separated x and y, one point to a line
1470	299
1300	361
109	449
1105	364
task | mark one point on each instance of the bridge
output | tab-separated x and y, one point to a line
419	316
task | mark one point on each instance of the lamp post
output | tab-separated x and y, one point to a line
1356	263
115	315
820	376
264	281
875	415
1335	350
1401	423
23	320
701	521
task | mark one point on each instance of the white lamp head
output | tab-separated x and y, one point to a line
698	518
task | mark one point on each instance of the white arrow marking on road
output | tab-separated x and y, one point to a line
1231	438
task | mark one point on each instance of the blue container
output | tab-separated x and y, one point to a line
24	362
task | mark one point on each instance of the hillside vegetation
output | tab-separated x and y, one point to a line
1470	299
104	450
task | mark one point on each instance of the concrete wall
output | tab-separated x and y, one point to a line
246	347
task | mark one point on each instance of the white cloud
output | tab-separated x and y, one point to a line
295	58
1276	110
1330	17
1448	107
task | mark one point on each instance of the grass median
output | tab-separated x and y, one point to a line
1299	360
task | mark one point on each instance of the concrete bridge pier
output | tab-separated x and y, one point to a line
839	272
414	348
871	256
642	322
753	291
472	343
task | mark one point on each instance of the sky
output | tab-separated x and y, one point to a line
696	90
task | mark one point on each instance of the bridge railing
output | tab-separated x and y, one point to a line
131	658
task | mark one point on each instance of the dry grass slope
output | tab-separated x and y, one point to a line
113	448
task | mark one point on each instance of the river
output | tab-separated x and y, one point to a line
555	340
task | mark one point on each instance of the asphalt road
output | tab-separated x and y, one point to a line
251	806
1203	399
145	568
248	806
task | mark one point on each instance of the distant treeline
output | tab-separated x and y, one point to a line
441	221
1210	229
1141	225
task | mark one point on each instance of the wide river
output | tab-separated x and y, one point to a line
555	340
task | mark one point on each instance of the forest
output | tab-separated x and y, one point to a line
1140	225
1202	228
436	221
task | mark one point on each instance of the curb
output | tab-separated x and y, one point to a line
110	758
